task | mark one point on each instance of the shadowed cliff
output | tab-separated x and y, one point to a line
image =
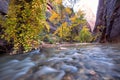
108	17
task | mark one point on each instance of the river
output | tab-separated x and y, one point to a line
84	62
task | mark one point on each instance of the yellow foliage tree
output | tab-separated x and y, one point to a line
69	24
55	16
84	35
63	31
68	10
24	22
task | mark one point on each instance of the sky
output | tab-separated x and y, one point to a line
94	4
90	3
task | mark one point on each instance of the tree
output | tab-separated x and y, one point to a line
24	22
68	23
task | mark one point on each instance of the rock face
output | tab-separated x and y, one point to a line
89	15
4	46
108	15
4	6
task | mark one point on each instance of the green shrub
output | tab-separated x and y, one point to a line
84	35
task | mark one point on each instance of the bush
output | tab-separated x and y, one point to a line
84	35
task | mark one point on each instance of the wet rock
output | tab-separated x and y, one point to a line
115	74
15	74
48	73
22	74
34	52
70	52
6	73
68	77
27	65
54	59
74	63
102	68
90	72
107	77
82	77
17	68
13	62
62	48
76	56
69	68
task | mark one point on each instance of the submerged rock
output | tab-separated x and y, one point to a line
69	68
34	52
48	73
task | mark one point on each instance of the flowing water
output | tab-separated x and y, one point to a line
85	62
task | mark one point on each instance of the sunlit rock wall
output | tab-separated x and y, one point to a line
87	6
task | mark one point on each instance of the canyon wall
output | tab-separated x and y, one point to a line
4	6
4	46
108	18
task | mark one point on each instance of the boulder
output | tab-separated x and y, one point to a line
108	18
4	6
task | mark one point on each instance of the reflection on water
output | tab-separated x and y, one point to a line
85	62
